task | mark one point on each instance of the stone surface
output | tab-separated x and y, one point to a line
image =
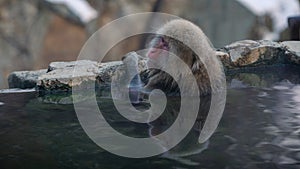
24	79
292	46
62	76
292	51
106	70
249	53
72	64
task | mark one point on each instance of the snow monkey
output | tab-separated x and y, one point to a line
178	37
185	40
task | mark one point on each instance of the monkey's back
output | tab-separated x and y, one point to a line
192	46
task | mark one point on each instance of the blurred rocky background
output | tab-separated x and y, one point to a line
34	33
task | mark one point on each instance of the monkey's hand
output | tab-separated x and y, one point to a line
133	60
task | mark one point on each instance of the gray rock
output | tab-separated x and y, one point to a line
72	64
292	51
62	76
253	53
239	53
243	43
292	46
24	79
107	70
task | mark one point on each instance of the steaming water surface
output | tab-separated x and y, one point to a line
260	128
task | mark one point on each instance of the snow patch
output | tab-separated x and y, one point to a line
81	8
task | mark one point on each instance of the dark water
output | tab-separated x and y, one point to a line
260	129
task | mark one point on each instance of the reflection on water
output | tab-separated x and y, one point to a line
260	128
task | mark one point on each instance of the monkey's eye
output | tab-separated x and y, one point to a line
163	43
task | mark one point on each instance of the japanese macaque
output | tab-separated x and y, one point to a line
175	37
178	38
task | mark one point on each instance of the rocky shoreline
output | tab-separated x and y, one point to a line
236	57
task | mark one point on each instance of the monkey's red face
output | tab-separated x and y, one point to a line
159	46
158	52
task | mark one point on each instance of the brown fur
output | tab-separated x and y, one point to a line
180	32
